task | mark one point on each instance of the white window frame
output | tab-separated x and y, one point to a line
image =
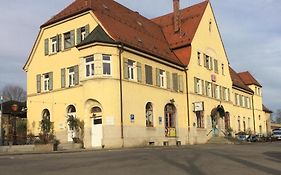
131	70
83	33
106	62
89	65
65	40
162	79
217	92
199	58
46	82
70	76
198	86
209	89
54	45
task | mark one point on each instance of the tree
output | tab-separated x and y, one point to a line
278	116
14	92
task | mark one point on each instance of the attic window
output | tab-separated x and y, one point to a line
210	26
105	7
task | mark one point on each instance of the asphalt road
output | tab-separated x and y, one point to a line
252	159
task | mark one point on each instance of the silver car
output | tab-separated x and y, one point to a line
276	133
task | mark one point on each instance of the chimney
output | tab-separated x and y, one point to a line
177	20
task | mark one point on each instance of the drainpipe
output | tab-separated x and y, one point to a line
187	105
121	92
254	114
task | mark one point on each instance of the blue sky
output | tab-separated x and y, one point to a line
251	32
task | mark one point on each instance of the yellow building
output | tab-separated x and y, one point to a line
135	81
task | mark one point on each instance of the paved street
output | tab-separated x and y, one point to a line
251	159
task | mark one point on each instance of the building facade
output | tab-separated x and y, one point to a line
136	81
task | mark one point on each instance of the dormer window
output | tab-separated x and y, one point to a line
210	26
83	33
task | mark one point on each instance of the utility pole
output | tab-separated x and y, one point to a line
1	114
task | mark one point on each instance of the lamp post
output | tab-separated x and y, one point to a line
1	113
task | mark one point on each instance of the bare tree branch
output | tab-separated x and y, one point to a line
14	92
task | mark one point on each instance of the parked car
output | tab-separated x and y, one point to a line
276	134
252	138
241	136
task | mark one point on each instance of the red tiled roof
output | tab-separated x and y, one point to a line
265	109
124	26
248	79
237	81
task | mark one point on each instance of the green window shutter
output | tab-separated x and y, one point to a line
205	60
125	68
213	90
87	29
139	72
221	93
72	38
168	80
148	75
63	78
51	81
175	82
76	75
38	83
180	83
46	46
206	88
78	35
59	40
157	77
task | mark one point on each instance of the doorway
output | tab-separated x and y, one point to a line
170	120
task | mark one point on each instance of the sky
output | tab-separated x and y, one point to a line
251	32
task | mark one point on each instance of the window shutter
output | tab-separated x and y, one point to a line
72	38
139	72
76	75
157	77
38	83
51	81
213	90
221	93
195	85
175	82
125	68
206	88
58	38
211	63
87	29
205	60
46	46
78	35
63	78
180	83
168	80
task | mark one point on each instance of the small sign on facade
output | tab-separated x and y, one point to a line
198	106
109	121
132	118
160	120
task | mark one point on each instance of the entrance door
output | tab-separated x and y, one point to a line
97	132
170	120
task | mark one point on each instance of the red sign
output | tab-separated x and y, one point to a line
214	78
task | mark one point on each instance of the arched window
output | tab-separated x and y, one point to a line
71	111
46	121
149	114
46	114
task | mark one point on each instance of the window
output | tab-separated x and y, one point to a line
46	121
106	64
226	94
208	89
200	119
216	66
149	114
69	38
259	117
207	61
240	100
148	75
71	73
210	26
89	66
83	33
54	44
199	58
222	69
197	86
162	77
131	71
239	126
46	82
237	99
249	123
244	124
217	92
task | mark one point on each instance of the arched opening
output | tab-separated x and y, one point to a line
71	122
218	120
170	120
149	114
94	110
46	121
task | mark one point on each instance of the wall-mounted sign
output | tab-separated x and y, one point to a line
198	106
160	120
132	117
109	120
213	78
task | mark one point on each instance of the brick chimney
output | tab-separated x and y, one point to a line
177	20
